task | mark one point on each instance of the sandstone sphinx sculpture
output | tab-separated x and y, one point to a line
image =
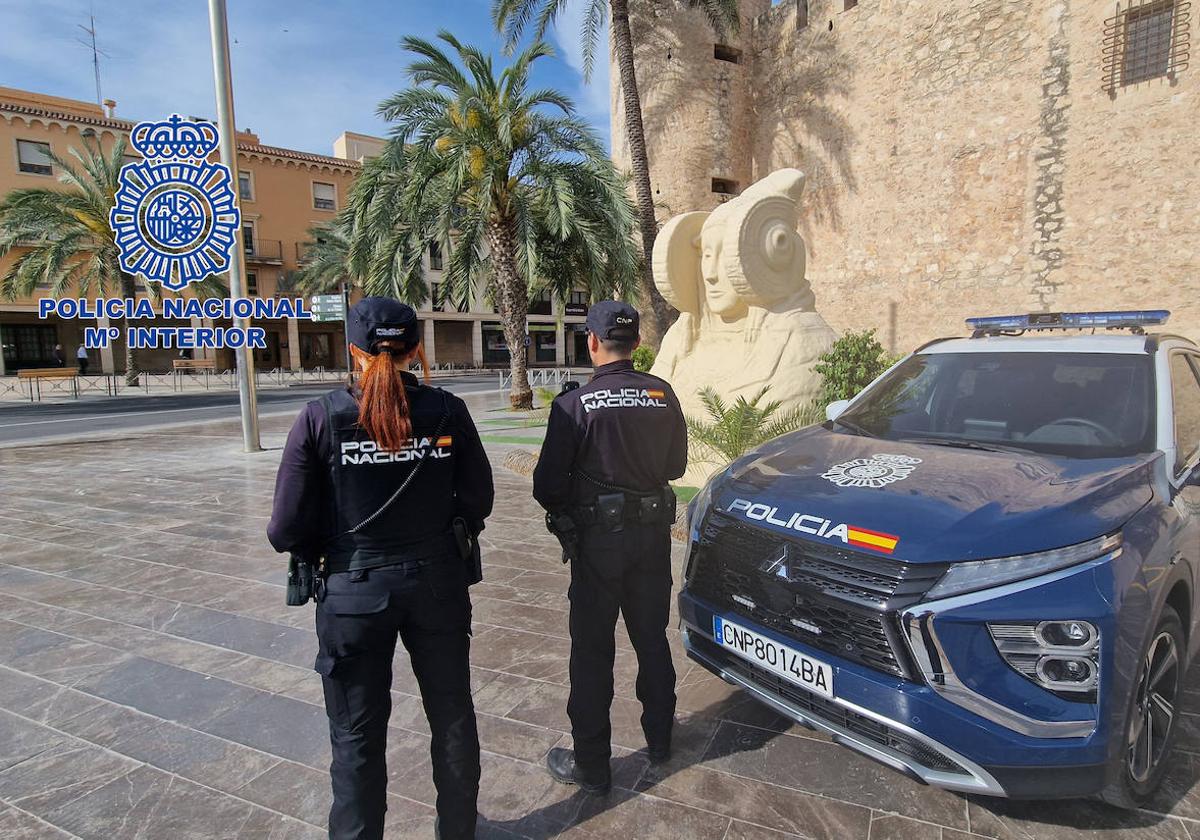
747	313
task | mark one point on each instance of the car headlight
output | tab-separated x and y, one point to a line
973	575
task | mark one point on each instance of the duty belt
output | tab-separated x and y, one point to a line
615	510
431	550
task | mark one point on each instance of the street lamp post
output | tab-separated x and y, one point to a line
247	397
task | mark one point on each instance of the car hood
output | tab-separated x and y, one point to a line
929	503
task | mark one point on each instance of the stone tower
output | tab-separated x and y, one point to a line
696	105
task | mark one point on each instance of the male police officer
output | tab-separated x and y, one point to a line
610	449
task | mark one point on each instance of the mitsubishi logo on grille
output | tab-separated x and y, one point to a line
777	564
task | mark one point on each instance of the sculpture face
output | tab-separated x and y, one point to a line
722	298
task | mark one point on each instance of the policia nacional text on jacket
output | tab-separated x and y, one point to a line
610	448
400	575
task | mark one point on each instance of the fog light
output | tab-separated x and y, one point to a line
1073	634
1066	673
1061	656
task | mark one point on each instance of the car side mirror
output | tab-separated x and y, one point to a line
569	385
835	408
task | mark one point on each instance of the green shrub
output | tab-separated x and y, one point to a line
546	396
643	358
851	364
733	430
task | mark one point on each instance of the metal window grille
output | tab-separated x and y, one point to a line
1144	40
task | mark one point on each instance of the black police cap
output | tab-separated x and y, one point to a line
613	319
375	319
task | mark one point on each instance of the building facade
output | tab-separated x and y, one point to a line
964	157
283	193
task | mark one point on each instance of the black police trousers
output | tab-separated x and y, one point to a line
358	621
626	572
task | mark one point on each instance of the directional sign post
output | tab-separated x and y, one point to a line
328	308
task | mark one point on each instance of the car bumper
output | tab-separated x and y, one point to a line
922	732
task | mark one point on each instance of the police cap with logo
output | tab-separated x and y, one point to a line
613	319
376	319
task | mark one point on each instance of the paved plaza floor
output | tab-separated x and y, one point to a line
153	685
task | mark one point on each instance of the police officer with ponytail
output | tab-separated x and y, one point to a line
386	484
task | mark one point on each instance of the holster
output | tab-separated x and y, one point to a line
562	526
301	581
467	540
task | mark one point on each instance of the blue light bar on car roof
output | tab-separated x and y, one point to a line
1071	320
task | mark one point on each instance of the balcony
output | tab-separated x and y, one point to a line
265	252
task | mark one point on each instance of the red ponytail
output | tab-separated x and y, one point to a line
383	410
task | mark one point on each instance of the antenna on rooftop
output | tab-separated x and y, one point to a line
96	52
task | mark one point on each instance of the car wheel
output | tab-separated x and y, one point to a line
1150	726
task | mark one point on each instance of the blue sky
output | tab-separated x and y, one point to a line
304	70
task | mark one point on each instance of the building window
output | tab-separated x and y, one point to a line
801	14
435	256
34	158
724	52
251	283
1149	39
245	186
848	5
324	196
578	297
248	237
724	186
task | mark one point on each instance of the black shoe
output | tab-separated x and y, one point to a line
659	754
561	764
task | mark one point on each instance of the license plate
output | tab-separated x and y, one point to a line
769	655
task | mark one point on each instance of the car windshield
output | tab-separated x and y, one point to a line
1080	405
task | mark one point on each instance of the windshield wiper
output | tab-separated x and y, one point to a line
959	443
852	427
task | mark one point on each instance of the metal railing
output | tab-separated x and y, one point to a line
538	377
264	250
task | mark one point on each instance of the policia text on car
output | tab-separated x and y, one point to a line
394	537
610	448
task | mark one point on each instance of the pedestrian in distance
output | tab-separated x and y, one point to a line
81	356
387	483
610	449
59	359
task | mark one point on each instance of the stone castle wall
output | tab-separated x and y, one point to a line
963	156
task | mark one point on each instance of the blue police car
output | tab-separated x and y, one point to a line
982	570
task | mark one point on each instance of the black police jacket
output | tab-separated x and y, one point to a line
332	477
624	428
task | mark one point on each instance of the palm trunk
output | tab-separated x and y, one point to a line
661	313
132	369
513	303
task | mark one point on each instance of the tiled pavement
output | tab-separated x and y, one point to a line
153	685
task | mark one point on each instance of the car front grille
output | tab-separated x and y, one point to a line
866	728
843	602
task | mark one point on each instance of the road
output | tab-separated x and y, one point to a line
21	423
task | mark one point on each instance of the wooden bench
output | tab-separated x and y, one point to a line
194	364
36	375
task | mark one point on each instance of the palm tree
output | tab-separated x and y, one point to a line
733	430
513	16
492	172
326	262
70	246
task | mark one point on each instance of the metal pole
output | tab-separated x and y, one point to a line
346	326
247	396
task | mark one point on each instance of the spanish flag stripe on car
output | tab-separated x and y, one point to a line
872	539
